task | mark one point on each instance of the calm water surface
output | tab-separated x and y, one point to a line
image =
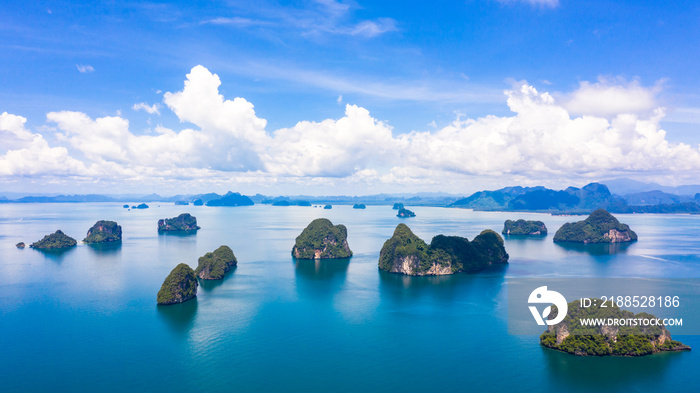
86	320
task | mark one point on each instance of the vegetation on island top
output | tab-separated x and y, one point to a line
599	227
180	286
524	228
321	239
213	265
104	231
54	241
359	206
572	337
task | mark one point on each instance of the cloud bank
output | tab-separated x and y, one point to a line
601	129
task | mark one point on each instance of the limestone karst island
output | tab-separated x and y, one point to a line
406	253
214	265
524	228
104	232
180	286
571	337
322	240
599	227
185	222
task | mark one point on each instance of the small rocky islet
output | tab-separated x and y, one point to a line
104	232
524	228
180	286
55	241
406	253
571	337
405	213
359	206
185	222
322	240
214	265
599	227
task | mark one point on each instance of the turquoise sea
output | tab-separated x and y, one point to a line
86	320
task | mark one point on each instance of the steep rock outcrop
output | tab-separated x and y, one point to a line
321	240
183	222
213	265
103	232
605	340
180	286
406	253
599	227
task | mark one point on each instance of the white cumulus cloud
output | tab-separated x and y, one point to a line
607	98
24	153
142	106
85	68
548	136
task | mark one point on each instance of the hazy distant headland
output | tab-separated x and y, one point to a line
643	198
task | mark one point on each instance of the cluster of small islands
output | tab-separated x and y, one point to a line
405	253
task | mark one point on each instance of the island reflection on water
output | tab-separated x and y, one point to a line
597	248
595	373
179	317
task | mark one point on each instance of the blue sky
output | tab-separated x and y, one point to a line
425	73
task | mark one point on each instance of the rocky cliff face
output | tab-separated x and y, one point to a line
599	227
180	286
322	240
103	232
406	253
183	222
570	336
54	241
213	265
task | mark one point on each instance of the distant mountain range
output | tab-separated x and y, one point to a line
572	200
624	186
578	200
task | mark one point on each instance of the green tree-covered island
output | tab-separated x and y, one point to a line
322	240
213	265
103	232
54	241
406	253
599	227
183	222
571	337
359	206
524	228
180	286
